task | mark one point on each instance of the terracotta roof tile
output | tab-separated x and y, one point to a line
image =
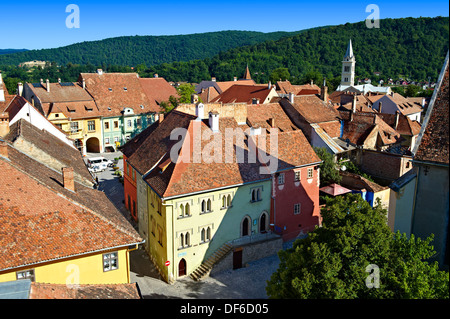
243	93
434	145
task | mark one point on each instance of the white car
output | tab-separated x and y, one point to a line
99	164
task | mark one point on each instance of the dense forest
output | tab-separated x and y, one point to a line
149	50
408	48
412	48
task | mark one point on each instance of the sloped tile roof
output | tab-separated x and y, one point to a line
243	93
40	220
434	144
158	90
261	116
314	110
63	291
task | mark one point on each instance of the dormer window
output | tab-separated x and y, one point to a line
109	109
110	90
125	89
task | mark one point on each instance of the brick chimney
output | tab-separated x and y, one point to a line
3	148
4	123
68	180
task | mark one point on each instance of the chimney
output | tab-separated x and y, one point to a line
2	94
4	123
213	79
42	81
214	121
312	82
3	149
380	106
270	85
48	85
160	117
59	80
272	122
84	83
235	79
423	102
291	97
397	117
354	104
99	71
200	111
325	93
68	180
1	79
20	88
194	98
155	75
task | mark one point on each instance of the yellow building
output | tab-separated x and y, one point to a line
70	107
55	230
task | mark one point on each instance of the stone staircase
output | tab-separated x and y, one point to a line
205	268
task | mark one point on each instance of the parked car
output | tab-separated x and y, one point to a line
100	163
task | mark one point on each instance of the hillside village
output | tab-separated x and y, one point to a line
209	186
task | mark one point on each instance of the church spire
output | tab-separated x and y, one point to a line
349	53
247	75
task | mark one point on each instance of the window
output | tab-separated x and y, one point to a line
74	127
205	234
138	122
346	68
256	194
125	89
25	274
206	205
297	176
185	240
116	124
226	201
128	123
160	236
116	138
106	140
297	209
310	173
110	90
184	210
110	261
345	79
106	125
91	125
281	179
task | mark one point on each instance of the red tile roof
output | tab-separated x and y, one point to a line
434	144
41	221
158	89
244	93
64	291
314	110
117	91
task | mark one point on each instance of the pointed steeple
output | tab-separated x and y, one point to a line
247	75
349	53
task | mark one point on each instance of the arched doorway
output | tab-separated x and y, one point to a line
93	145
182	268
263	222
245	226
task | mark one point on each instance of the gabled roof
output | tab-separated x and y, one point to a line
118	91
62	155
405	105
39	217
314	110
60	92
433	141
263	115
158	89
244	93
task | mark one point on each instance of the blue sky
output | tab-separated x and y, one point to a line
42	24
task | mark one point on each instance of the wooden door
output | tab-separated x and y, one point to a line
237	258
182	268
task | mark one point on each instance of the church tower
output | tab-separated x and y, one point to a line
348	67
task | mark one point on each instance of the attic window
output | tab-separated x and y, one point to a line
125	89
89	109
142	107
110	90
70	110
109	109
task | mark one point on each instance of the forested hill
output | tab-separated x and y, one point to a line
9	51
148	50
407	47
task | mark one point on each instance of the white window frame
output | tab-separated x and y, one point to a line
297	209
281	179
297	176
310	172
109	259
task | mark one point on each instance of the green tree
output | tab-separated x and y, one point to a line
412	90
343	258
329	171
279	74
185	91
